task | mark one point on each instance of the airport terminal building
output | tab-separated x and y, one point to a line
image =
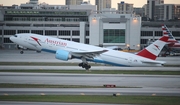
79	23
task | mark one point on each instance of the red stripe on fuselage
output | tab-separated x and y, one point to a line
145	53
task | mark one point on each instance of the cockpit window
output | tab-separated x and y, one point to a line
15	35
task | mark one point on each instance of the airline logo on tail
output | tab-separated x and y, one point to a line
156	46
153	50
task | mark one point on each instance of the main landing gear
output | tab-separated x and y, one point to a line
85	65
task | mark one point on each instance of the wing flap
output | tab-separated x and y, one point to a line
89	54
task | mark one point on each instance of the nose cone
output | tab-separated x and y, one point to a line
11	38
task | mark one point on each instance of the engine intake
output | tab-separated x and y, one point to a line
63	55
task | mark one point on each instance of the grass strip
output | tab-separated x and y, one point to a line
10	85
145	100
145	72
56	64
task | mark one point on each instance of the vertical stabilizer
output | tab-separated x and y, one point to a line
153	50
167	32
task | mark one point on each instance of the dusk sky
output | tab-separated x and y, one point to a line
137	3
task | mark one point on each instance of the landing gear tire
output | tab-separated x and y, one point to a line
21	52
84	65
87	68
81	64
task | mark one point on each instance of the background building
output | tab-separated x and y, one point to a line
167	12
33	1
157	10
125	8
73	2
144	10
81	24
78	24
102	4
51	21
151	7
116	29
139	11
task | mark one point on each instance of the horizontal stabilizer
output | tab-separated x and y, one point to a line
154	62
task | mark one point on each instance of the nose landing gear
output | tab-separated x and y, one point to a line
21	52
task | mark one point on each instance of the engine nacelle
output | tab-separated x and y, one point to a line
63	55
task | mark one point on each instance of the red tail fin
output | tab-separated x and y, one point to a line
153	50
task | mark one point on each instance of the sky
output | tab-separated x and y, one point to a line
137	3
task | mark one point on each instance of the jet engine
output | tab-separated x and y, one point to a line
63	55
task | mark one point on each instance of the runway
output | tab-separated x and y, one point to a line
148	85
162	85
91	91
92	68
148	81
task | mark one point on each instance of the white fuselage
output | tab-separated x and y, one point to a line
50	44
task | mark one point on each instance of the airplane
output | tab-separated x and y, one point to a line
173	44
66	50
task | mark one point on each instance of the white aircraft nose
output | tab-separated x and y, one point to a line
12	38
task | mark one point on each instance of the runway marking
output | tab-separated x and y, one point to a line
82	93
42	94
5	94
154	94
118	94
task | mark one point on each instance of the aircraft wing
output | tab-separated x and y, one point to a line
112	47
89	54
153	62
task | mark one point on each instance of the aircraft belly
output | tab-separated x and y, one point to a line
112	60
